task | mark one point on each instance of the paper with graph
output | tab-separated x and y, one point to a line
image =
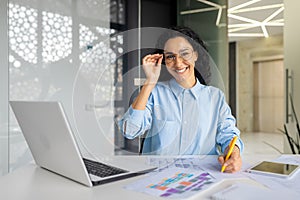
177	183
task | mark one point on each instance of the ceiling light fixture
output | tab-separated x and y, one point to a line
251	23
197	11
214	7
256	8
230	10
238	30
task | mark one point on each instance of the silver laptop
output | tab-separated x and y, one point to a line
53	146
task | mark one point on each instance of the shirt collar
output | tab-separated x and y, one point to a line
178	89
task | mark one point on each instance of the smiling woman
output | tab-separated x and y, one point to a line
189	48
182	63
183	116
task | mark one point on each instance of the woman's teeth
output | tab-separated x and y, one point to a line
181	70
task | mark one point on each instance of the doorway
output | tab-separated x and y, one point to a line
268	86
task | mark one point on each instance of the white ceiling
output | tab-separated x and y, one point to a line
254	18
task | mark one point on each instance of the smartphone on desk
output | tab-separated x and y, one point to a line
275	169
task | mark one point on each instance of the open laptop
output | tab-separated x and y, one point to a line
53	146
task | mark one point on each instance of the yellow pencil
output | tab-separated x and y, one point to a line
231	146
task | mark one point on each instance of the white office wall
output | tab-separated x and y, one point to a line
291	46
249	51
59	51
292	60
3	88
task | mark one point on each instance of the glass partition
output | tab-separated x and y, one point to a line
86	54
57	52
4	144
209	20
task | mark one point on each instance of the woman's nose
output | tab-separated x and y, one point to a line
179	59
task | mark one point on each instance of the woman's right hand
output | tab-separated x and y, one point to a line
152	67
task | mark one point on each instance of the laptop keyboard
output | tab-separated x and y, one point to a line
100	169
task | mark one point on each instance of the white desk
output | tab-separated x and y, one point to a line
34	183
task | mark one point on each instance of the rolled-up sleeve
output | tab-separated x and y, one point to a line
135	122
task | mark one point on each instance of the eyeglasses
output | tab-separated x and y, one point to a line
185	54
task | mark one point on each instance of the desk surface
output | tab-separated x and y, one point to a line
32	182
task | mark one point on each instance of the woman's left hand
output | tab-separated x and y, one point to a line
234	163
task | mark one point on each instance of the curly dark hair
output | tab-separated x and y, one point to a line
198	45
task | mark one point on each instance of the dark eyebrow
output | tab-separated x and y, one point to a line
168	52
180	50
184	49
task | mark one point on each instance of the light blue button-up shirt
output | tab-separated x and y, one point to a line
180	121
